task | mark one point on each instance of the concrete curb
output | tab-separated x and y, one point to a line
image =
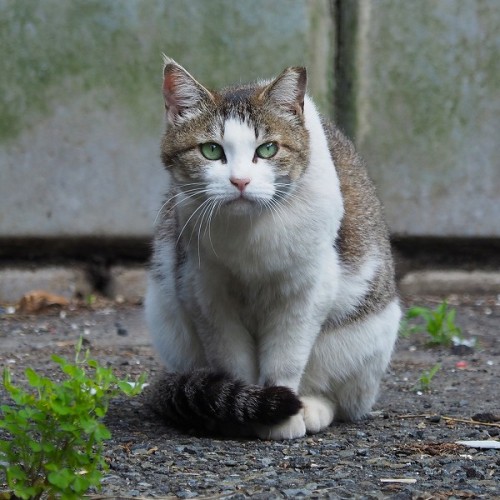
129	283
448	282
66	281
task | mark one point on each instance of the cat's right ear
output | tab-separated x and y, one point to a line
184	96
287	91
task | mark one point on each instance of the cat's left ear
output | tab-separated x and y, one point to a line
288	90
184	96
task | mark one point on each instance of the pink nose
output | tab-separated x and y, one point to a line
241	184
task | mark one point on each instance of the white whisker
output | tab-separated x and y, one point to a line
188	193
199	222
215	205
189	219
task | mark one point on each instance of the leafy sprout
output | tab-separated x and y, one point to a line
438	324
55	434
426	378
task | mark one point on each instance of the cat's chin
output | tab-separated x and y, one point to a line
242	206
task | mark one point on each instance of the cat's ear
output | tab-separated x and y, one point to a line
184	96
288	90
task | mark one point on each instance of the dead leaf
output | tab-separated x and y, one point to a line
38	301
432	449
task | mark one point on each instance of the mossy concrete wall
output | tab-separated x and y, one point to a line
415	84
420	94
81	111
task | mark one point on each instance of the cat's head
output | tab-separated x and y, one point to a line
243	147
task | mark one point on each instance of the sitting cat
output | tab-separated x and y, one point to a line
271	297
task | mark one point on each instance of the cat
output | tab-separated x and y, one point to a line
271	298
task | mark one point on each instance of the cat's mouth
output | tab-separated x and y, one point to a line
243	203
241	200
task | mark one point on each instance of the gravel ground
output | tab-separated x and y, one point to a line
405	450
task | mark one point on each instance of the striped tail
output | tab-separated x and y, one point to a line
209	401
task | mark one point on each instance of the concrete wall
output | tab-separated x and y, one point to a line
420	93
416	85
81	106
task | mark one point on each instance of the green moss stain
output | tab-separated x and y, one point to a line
433	86
321	57
53	50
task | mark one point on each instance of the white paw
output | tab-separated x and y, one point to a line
318	413
293	427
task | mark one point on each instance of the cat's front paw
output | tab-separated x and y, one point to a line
318	413
293	427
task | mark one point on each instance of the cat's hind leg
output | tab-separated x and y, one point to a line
356	392
348	362
356	395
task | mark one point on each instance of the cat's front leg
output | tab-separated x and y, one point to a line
285	344
228	344
230	347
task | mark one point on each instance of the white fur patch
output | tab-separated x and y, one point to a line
353	285
239	144
318	413
292	428
347	362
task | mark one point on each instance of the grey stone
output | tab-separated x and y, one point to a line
186	494
127	283
297	492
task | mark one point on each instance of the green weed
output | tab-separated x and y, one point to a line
426	378
90	299
54	447
438	324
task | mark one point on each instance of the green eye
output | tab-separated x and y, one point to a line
267	150
212	151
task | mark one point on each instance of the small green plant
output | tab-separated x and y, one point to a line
426	378
90	299
438	324
55	443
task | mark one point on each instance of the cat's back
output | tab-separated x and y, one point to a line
363	225
363	241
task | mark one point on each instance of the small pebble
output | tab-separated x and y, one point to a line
186	494
292	493
121	330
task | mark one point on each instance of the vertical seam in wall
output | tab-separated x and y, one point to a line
345	106
362	99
